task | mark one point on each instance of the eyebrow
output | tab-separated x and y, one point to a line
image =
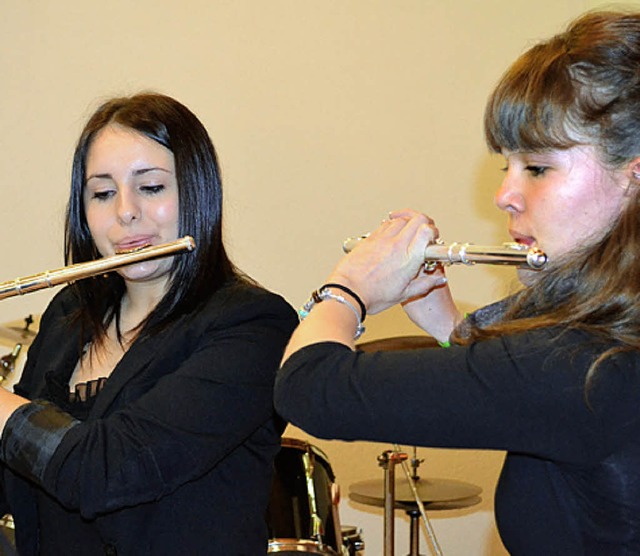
136	173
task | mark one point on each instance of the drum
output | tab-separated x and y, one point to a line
352	541
7	536
302	516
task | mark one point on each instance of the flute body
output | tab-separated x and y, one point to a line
51	278
515	254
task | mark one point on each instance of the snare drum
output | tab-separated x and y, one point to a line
302	516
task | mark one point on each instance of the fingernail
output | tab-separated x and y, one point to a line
441	281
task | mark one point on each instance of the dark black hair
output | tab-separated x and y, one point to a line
194	276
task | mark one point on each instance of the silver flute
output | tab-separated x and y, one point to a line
50	278
515	254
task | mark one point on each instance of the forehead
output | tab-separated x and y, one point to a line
119	145
582	151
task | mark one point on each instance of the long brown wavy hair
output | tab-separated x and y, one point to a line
581	87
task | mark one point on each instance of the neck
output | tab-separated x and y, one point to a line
139	300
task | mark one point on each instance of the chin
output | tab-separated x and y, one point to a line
146	270
528	277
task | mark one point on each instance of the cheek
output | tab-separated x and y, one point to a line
98	230
95	219
592	211
167	213
601	206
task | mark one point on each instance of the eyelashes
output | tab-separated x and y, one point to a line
152	189
102	195
536	171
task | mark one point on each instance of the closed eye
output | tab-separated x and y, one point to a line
152	189
536	171
102	195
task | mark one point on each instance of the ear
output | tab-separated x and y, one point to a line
633	171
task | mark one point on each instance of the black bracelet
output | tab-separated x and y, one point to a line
353	294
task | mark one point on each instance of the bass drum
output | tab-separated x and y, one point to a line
302	516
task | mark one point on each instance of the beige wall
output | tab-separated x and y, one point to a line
326	115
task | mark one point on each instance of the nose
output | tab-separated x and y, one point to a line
508	197
128	207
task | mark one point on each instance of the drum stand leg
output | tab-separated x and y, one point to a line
419	511
414	533
414	515
388	461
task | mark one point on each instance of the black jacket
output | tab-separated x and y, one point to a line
176	454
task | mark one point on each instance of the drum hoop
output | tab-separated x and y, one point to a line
289	442
303	445
281	544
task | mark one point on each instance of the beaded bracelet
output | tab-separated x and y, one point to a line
325	293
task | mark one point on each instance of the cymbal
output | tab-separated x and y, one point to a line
18	332
453	505
435	493
11	336
398	343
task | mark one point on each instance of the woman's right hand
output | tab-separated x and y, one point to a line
386	268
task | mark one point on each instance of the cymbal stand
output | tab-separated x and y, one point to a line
414	528
388	460
8	362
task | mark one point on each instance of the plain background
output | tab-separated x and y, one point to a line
325	114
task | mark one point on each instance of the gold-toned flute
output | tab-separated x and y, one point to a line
515	254
50	278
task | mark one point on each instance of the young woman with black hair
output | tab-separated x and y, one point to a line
143	422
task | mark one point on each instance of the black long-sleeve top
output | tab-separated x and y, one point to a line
571	480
